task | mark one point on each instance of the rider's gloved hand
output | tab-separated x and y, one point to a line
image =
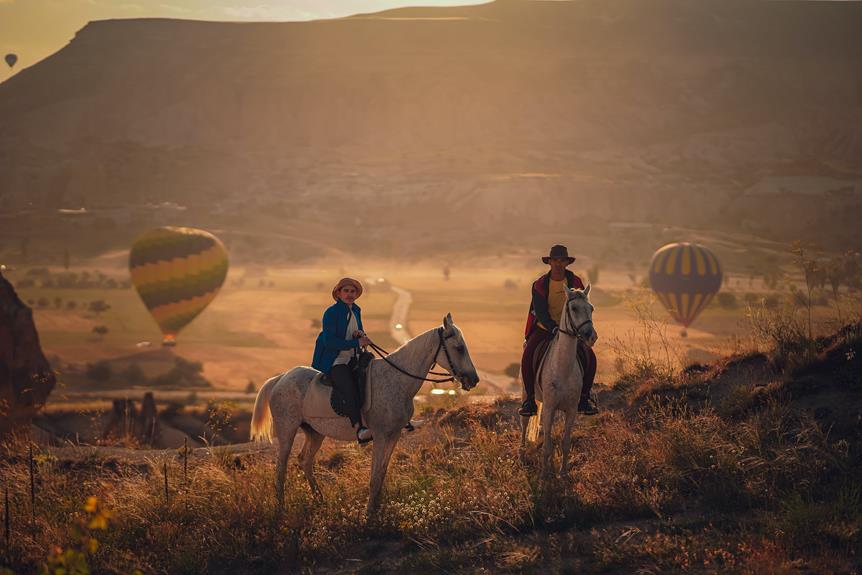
554	330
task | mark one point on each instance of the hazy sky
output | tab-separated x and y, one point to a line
33	29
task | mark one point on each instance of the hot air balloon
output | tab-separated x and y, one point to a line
177	272
685	276
11	59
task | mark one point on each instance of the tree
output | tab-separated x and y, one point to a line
99	371
98	306
593	273
727	300
251	387
513	370
134	374
811	271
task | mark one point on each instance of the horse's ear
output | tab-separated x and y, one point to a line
447	321
587	290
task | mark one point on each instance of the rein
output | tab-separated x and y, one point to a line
441	344
577	332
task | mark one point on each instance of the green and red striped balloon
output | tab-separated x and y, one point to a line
685	276
177	272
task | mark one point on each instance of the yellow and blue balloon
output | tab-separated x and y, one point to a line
177	272
685	277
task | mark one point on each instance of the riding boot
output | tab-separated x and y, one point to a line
529	407
528	374
345	402
587	357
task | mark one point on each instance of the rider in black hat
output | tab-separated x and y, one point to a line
549	298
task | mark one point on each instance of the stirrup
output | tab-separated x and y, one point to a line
587	406
363	435
528	408
409	427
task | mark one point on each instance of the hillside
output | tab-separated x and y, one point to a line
664	111
748	465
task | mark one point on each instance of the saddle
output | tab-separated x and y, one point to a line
322	400
539	358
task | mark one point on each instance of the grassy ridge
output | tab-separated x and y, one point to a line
667	482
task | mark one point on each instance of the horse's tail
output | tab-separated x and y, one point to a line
261	419
533	425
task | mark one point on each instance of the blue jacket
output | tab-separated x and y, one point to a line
334	337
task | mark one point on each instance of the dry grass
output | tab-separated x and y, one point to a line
666	489
673	486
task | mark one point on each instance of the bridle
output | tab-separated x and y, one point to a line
441	344
577	332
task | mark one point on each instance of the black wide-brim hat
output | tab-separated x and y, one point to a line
558	251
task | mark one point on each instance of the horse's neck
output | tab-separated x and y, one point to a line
415	357
564	348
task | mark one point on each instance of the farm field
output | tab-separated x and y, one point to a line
265	320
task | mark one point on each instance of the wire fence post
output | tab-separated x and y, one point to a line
186	461
165	472
32	488
7	517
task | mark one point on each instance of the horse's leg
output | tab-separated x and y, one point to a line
525	423
548	411
313	441
379	462
567	440
285	444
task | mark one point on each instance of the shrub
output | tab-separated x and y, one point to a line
134	374
98	306
99	371
727	300
513	370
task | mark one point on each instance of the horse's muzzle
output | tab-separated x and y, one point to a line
469	381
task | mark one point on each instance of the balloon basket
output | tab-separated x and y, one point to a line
683	333
169	341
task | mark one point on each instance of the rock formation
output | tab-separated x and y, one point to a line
26	378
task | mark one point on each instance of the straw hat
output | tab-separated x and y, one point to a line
346	282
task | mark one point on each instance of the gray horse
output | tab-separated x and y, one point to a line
278	408
561	377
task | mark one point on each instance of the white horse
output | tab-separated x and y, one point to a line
561	377
279	404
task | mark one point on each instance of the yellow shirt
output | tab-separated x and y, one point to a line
556	299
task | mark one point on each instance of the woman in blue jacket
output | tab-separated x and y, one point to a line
340	339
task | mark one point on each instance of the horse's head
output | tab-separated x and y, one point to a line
456	357
579	315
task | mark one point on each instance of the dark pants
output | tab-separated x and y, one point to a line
347	401
586	355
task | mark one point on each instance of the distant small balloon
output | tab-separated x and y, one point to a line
11	59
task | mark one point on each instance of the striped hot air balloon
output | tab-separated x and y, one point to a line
177	272
685	276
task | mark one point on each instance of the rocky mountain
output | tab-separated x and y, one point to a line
26	378
464	117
